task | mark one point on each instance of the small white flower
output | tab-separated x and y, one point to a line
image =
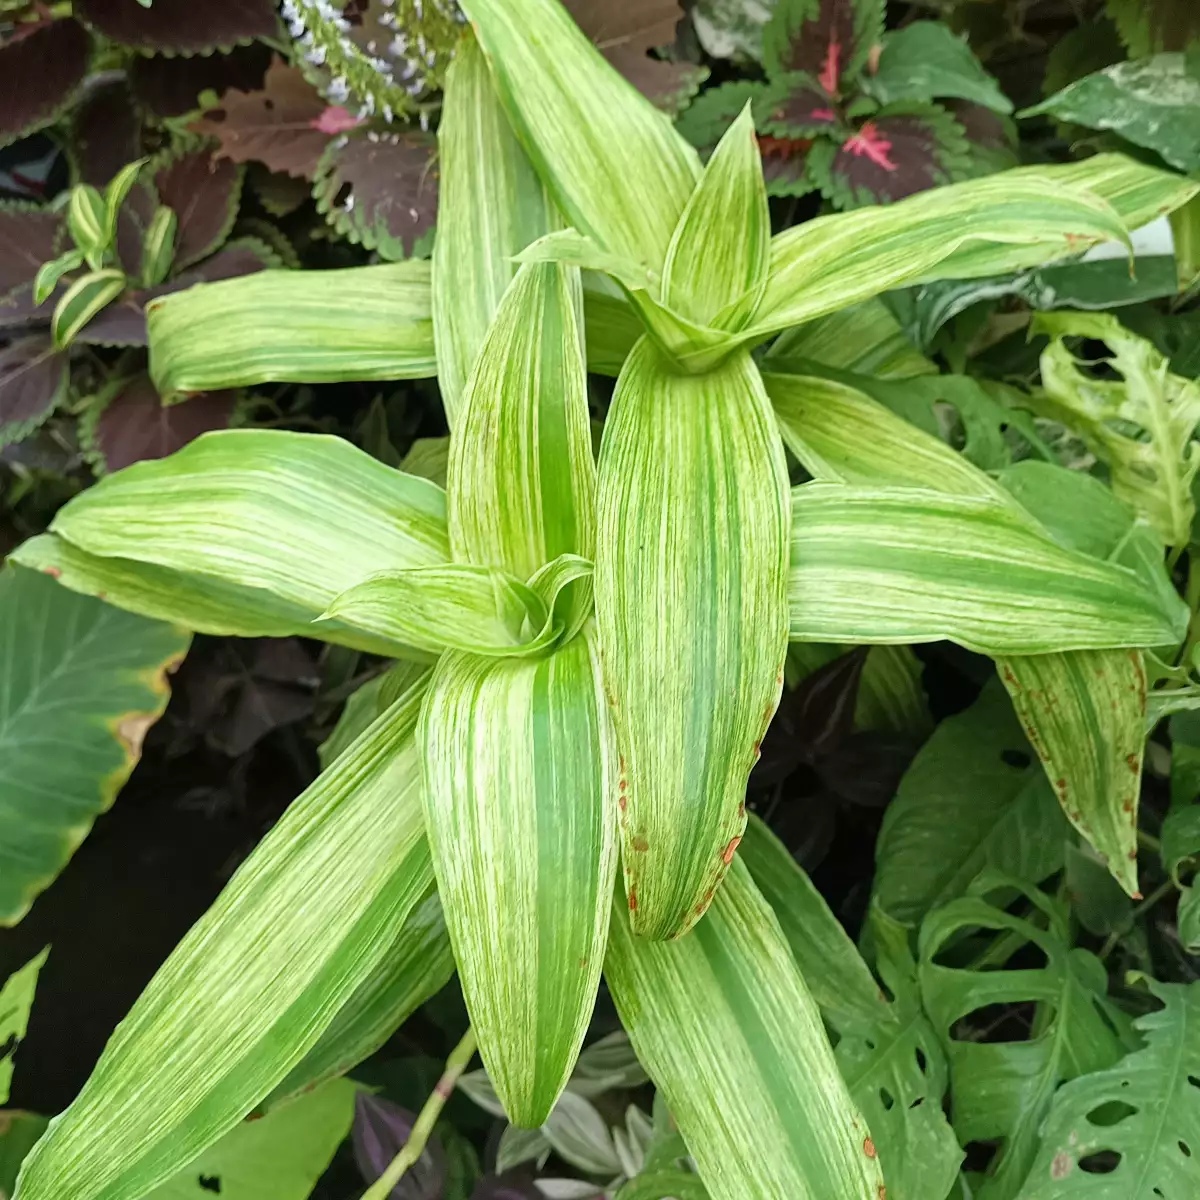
316	56
338	89
424	121
388	115
350	202
399	46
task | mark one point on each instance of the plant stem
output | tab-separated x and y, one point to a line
456	1064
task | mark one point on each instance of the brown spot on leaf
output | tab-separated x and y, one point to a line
1133	856
730	850
131	731
53	572
641	845
633	899
1060	1168
1133	763
869	1148
622	802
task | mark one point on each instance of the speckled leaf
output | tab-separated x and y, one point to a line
83	684
180	26
169	86
520	800
753	1087
134	424
41	66
34	377
107	134
256	981
830	39
204	192
274	124
690	600
380	190
1085	714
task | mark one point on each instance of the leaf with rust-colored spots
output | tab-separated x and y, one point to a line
828	39
180	26
275	125
204	192
133	424
381	190
107	134
169	86
42	65
1085	715
83	683
34	376
901	150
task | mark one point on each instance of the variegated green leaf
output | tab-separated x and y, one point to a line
294	519
415	968
691	602
520	805
1085	714
989	226
615	165
732	1038
491	205
453	607
249	991
87	218
16	999
521	479
294	327
913	565
718	256
82	301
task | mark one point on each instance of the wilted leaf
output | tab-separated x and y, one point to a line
41	65
903	149
926	60
34	376
135	424
974	797
830	39
379	1133
16	999
204	192
107	134
380	190
180	26
275	125
1151	102
170	86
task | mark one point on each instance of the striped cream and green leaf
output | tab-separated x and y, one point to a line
291	518
294	327
1085	714
491	205
731	1036
307	920
616	167
520	805
86	297
691	575
914	565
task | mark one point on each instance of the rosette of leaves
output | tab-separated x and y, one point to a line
158	227
853	112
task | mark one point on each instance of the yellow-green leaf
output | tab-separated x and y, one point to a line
615	165
251	988
82	301
914	565
520	805
491	205
16	999
724	1023
691	574
294	327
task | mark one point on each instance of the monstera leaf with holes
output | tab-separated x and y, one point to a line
607	641
83	684
852	111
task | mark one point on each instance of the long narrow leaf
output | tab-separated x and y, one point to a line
691	602
298	518
615	165
491	205
733	1039
251	988
520	805
294	327
906	565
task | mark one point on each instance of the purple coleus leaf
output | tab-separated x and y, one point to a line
133	424
204	191
108	133
29	237
796	106
829	40
379	1133
41	66
381	190
898	152
180	26
34	376
170	86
